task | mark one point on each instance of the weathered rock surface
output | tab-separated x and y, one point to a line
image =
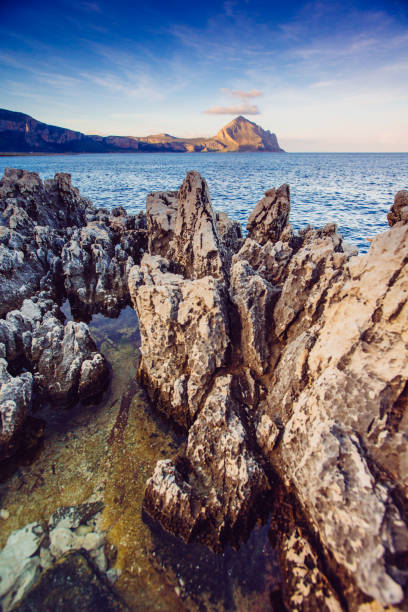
73	582
270	217
222	481
314	389
399	210
15	403
161	211
254	298
54	244
184	329
34	217
97	259
196	246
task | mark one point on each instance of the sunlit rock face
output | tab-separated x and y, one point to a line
311	389
21	133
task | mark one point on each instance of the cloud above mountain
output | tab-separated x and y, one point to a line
245	108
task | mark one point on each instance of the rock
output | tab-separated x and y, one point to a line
71	517
254	298
184	331
345	431
92	541
66	361
96	263
310	273
63	540
399	210
28	251
270	260
270	218
17	569
73	582
230	234
196	247
15	402
171	500
27	577
161	211
4	514
213	501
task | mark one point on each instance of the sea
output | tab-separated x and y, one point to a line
354	190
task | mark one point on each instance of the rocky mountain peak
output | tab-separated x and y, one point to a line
240	134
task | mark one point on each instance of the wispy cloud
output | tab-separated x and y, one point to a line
243	109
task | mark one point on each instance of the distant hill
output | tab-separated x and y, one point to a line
20	133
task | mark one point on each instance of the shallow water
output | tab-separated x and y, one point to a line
107	451
354	190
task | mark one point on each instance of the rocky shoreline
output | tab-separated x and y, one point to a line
282	356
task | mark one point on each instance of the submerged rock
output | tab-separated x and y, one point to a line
74	582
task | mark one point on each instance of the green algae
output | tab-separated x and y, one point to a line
106	452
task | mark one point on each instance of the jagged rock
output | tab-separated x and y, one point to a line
15	402
225	481
269	219
345	433
161	211
270	260
196	247
184	330
27	250
171	500
96	263
254	298
73	516
230	234
311	271
66	360
399	210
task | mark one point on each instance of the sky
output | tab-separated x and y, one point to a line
323	76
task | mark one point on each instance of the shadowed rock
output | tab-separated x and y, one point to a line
399	210
269	219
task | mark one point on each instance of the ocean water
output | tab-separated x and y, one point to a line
354	190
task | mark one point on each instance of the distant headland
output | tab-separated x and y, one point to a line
20	133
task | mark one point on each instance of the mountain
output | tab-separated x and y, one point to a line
20	133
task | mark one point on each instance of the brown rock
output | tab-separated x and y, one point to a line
270	217
399	210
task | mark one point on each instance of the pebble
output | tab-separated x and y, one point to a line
4	514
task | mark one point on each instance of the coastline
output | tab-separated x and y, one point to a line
278	354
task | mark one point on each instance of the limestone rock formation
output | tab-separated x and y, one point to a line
243	135
185	336
54	244
97	259
312	389
196	247
161	211
399	210
254	298
223	480
34	217
270	217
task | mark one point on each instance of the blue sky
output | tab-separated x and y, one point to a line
324	76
